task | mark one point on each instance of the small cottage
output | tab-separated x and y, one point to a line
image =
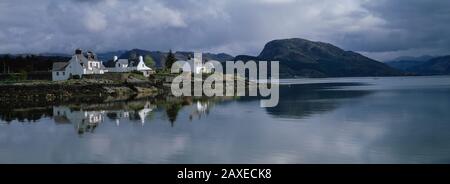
126	65
80	64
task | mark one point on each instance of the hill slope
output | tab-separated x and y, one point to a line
406	63
435	66
304	58
159	57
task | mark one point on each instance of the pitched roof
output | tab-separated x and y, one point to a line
59	66
81	58
122	61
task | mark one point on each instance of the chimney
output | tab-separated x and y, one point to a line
141	59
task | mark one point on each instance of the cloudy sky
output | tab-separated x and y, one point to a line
381	29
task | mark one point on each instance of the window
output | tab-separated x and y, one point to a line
57	73
90	64
64	73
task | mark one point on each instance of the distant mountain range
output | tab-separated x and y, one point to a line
404	63
105	56
159	57
424	65
304	58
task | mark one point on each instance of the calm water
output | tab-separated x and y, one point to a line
347	120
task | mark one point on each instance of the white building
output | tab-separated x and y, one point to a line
125	65
196	65
77	66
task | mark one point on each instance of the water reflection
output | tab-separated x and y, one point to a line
87	117
391	121
24	114
296	102
86	120
301	101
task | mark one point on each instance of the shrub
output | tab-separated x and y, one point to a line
23	75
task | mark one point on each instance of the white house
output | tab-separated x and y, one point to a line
125	65
196	65
78	65
117	65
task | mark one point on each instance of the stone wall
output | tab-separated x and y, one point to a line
116	77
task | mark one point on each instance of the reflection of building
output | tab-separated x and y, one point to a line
200	108
140	114
73	116
87	120
83	120
148	108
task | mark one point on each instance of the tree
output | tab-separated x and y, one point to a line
133	55
170	59
148	60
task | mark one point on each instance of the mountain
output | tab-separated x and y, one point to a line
48	54
105	56
221	57
435	66
411	58
424	65
159	57
406	63
303	58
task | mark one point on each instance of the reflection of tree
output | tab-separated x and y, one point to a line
173	105
200	105
26	114
84	126
172	112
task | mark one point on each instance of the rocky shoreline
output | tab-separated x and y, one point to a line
38	93
50	93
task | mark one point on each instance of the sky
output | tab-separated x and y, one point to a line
380	29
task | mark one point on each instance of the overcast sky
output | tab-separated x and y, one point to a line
381	29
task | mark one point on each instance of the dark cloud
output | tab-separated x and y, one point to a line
379	28
410	24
